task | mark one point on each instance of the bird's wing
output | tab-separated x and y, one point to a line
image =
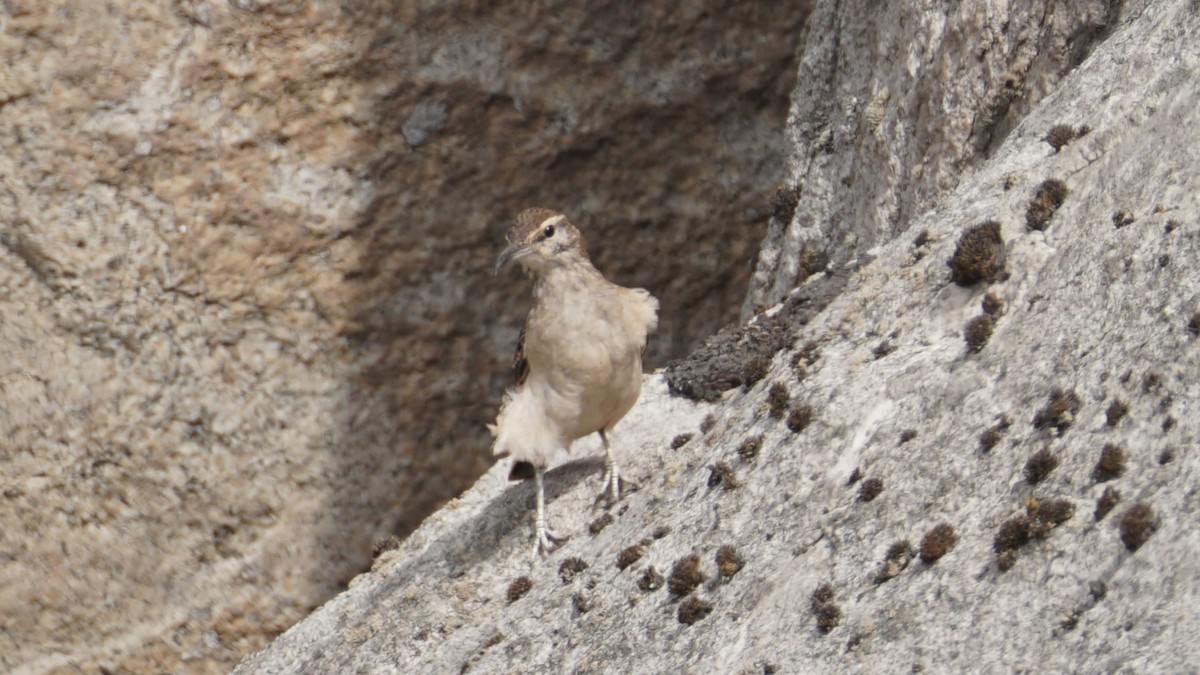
520	363
521	470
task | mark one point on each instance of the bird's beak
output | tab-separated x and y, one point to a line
511	253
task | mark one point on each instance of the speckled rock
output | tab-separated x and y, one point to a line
895	103
1095	306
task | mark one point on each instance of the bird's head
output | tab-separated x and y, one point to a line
541	239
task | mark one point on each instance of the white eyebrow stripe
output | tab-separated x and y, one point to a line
552	220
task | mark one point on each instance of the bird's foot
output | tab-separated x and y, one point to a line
546	542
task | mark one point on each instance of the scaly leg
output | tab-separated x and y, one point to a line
545	541
612	474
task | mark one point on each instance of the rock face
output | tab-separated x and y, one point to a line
247	317
892	496
894	104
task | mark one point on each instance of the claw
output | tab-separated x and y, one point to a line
612	473
545	541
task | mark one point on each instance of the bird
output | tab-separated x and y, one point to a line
578	361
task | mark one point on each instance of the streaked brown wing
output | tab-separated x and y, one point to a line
520	364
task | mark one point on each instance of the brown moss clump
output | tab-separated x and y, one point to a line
1121	219
1059	136
1049	196
601	522
883	349
1037	522
1106	502
1059	412
897	558
979	256
991	437
680	441
721	474
571	568
729	562
1166	456
1039	465
1193	325
1110	465
854	477
992	305
828	614
937	542
978	332
784	203
1137	525
708	423
812	261
692	610
907	435
685	575
799	418
518	588
870	489
650	580
581	603
384	545
1116	410
1045	516
630	555
749	448
777	400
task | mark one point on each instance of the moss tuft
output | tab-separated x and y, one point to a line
937	542
729	562
685	575
1106	502
1059	136
897	558
680	441
1048	198
777	400
749	448
1137	525
630	555
870	489
992	305
518	588
799	418
601	522
721	474
978	332
979	255
1116	410
650	580
1039	465
1059	411
571	568
692	610
1110	465
828	614
1193	325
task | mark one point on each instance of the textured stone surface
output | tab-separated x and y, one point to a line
895	103
247	319
1092	305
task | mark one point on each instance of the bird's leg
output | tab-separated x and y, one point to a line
545	541
612	474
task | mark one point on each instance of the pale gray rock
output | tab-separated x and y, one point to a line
1100	303
896	102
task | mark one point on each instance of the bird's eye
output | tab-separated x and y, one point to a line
548	232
